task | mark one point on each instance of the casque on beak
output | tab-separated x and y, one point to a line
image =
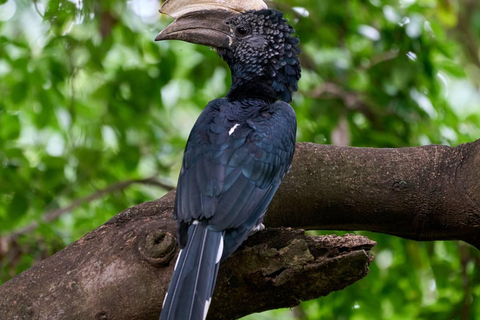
200	27
203	21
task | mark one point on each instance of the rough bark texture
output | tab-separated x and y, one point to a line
420	193
279	268
122	269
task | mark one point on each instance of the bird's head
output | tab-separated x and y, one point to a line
258	45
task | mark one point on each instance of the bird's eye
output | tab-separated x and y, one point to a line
242	31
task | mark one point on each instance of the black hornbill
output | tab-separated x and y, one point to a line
238	151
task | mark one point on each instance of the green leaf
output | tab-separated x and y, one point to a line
9	126
452	68
17	207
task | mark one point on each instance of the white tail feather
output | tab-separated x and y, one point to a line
220	251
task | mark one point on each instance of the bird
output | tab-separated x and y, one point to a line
239	149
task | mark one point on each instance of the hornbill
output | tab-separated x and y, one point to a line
239	149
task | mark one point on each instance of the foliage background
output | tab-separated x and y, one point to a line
94	116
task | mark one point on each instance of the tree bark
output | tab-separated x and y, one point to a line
122	269
420	193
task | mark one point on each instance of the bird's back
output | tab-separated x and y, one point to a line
236	156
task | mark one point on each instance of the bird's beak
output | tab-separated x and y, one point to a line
206	27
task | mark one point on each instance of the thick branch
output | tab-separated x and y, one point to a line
122	271
421	193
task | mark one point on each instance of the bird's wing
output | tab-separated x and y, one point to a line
230	171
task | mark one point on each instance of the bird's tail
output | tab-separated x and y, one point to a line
191	288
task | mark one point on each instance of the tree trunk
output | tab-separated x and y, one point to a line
122	269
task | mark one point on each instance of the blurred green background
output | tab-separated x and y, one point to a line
94	116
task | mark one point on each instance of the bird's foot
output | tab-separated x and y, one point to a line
258	227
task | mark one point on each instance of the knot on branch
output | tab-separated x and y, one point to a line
102	315
158	247
401	185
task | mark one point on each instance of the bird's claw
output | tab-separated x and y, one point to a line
258	227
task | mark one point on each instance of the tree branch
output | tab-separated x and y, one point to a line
122	269
420	193
285	267
55	214
352	100
465	31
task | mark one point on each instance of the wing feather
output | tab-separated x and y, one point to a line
228	179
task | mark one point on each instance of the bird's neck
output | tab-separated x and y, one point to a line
254	88
249	85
